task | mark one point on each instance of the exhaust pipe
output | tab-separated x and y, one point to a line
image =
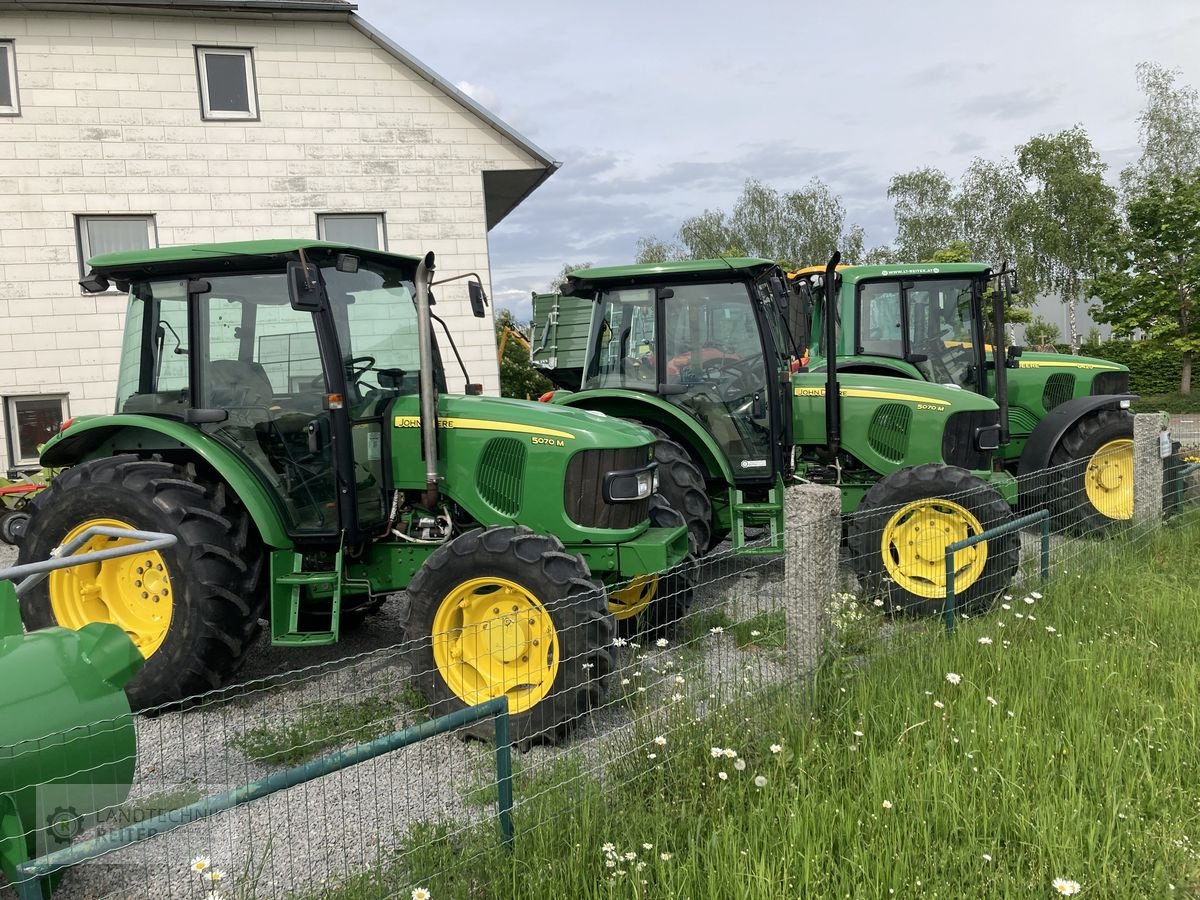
428	390
833	397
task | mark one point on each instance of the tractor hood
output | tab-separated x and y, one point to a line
585	428
1032	360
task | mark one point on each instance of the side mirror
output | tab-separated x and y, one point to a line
478	299
304	286
780	291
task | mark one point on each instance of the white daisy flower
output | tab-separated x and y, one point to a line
953	677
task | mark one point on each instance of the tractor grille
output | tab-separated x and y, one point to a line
888	432
958	440
1060	388
583	495
501	475
1111	383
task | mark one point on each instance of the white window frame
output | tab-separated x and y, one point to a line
81	235
15	108
380	223
207	113
10	423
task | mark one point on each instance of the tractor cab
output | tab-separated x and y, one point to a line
293	369
704	341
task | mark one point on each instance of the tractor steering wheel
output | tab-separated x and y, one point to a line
360	366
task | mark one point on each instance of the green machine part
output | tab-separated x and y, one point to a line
69	746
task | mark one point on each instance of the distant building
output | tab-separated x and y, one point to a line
131	124
1053	310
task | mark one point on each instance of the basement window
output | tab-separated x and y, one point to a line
9	104
226	83
31	422
357	229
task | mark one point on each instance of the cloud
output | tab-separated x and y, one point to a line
1008	105
481	95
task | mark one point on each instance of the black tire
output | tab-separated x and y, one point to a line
1069	499
681	484
931	481
213	568
561	583
12	525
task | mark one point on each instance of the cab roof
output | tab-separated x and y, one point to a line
743	266
858	273
131	264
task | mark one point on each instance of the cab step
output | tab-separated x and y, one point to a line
758	514
306	607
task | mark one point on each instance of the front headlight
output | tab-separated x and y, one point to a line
987	437
630	485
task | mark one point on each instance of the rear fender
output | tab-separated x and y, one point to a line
144	435
1046	436
652	410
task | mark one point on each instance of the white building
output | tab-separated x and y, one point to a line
133	123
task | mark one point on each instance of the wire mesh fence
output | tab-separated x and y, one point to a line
598	704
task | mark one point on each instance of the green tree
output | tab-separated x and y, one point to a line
1155	269
923	202
1170	131
1040	333
1065	217
518	378
795	228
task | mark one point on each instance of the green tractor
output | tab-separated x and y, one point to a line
283	408
705	354
932	322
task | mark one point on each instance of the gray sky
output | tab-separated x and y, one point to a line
660	110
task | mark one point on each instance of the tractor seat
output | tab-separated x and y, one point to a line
240	384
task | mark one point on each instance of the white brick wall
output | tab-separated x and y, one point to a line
110	123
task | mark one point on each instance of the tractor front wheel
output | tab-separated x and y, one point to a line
903	525
504	612
191	609
681	484
1093	473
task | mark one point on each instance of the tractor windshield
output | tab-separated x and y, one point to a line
928	322
700	348
257	373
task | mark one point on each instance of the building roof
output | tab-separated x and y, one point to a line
678	268
503	189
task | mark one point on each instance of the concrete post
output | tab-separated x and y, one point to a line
1147	469
813	535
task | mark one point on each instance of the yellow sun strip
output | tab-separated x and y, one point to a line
1047	364
872	394
484	425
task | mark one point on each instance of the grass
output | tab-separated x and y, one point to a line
1068	749
318	728
1176	403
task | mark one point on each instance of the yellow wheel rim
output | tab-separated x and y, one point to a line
914	547
492	638
628	601
131	592
1108	479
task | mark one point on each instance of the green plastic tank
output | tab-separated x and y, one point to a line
67	742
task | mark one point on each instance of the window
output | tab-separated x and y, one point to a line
10	105
358	229
31	422
112	234
226	83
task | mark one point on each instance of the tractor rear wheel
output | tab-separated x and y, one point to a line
903	525
506	612
681	484
191	609
1093	489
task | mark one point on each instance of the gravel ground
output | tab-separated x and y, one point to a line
300	840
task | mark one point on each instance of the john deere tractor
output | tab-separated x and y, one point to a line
941	323
706	354
283	408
